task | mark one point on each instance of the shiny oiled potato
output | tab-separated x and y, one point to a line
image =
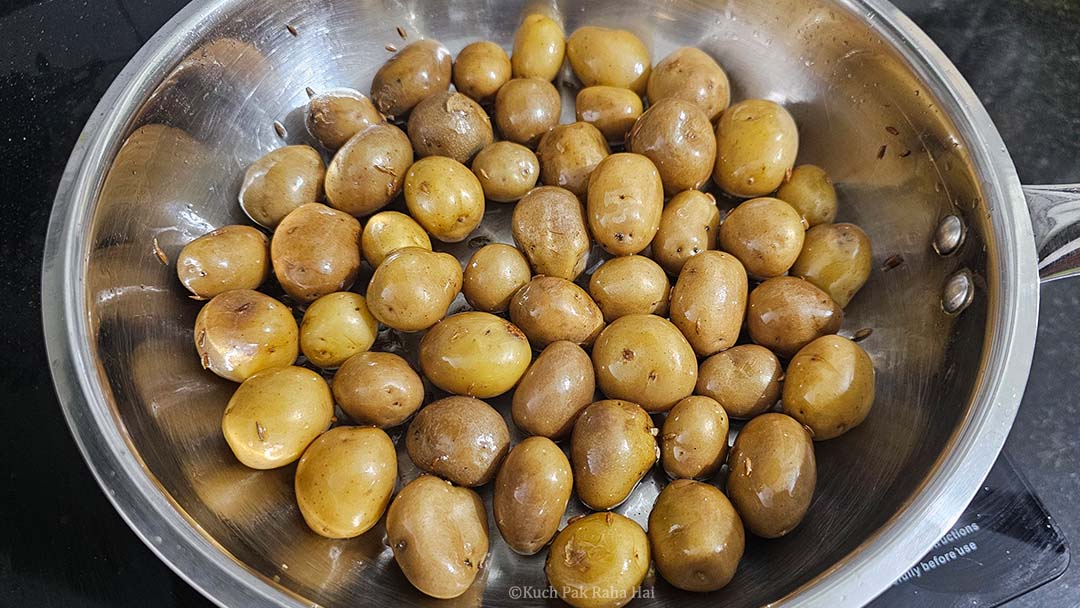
691	75
598	561
231	257
693	440
689	225
810	191
344	480
416	72
377	388
569	153
480	69
388	231
625	200
756	144
531	492
772	474
507	171
282	180
787	313
449	124
628	285
644	358
525	108
475	354
539	48
549	226
696	537
766	234
445	197
334	116
275	414
413	288
336	327
678	137
439	536
241	332
316	251
549	309
493	275
555	389
708	302
459	438
610	109
602	56
829	386
744	379
612	447
369	170
837	258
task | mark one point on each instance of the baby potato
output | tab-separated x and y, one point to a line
772	474
414	73
282	180
336	327
316	251
766	234
625	200
493	275
413	288
377	388
459	438
678	137
691	75
345	479
439	536
644	358
696	537
598	561
335	116
810	191
549	309
629	285
525	108
275	414
388	231
369	170
475	354
531	492
610	109
693	440
480	69
569	153
231	257
744	379
444	197
554	390
787	313
708	302
612	447
242	332
549	226
539	48
829	386
837	258
602	56
507	171
756	144
688	226
449	124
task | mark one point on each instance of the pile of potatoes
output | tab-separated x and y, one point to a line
686	324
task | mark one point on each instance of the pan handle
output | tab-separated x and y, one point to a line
1055	219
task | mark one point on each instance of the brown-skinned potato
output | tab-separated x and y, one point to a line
558	385
480	69
549	227
631	284
458	438
691	75
532	489
611	109
625	200
606	574
334	116
316	251
450	124
689	225
647	359
444	197
697	538
708	301
377	388
414	73
281	181
507	171
493	275
678	137
230	257
810	191
744	379
386	232
766	234
242	332
785	314
525	108
569	153
829	386
549	309
693	439
369	170
612	447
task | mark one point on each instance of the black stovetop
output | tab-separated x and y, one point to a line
61	543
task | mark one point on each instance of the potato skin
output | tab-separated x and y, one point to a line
549	309
388	231
625	200
837	258
693	439
810	191
549	227
480	69
493	275
369	170
785	314
766	234
610	109
378	388
336	327
744	379
532	489
645	358
280	181
598	561
414	73
708	302
242	332
459	438
525	108
334	116
691	75
507	171
413	288
602	56
612	447
230	257
555	389
444	197
689	225
539	48
829	386
678	137
475	354
756	144
449	124
316	251
631	284
569	153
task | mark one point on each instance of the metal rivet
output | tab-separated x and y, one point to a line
959	292
949	235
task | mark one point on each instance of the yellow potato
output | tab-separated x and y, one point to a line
480	69
756	144
242	332
231	257
554	390
693	440
602	56
708	302
829	386
377	388
787	313
334	116
316	251
388	231
475	354
689	225
414	73
281	181
598	561
628	285
610	109
445	198
336	327
837	258
691	75
413	288
613	446
678	137
810	191
493	275
525	108
549	227
625	200
646	359
369	170
569	153
531	492
766	234
539	47
744	379
549	309
507	171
